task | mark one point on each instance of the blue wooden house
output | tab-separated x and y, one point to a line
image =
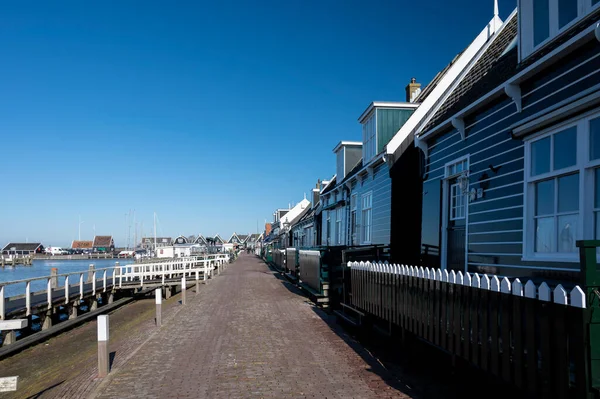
511	171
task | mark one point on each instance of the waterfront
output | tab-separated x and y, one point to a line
41	268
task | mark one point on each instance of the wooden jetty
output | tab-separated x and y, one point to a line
14	260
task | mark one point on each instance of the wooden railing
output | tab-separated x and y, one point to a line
100	280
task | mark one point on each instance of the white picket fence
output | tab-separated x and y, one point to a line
367	277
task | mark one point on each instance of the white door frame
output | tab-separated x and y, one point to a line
446	213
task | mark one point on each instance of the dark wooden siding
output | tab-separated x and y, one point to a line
495	222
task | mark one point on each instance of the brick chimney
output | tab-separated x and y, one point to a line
412	90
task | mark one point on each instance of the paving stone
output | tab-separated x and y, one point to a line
247	334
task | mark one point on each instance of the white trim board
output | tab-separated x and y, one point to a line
450	78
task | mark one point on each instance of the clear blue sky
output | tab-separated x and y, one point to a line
212	114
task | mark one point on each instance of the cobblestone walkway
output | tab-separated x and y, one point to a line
248	334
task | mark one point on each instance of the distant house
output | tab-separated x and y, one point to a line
243	238
201	240
234	239
20	248
103	244
253	239
218	240
181	240
78	244
148	242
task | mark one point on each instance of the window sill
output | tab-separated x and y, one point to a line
552	258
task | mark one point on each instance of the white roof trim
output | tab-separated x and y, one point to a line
385	104
347	143
448	81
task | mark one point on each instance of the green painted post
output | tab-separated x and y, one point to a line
590	282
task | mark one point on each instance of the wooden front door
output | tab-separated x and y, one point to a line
455	226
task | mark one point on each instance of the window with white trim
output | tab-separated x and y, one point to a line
353	219
369	133
562	195
366	217
543	20
457	202
338	225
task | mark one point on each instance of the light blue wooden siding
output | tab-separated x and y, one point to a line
340	164
380	184
389	121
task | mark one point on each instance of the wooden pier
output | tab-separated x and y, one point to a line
12	260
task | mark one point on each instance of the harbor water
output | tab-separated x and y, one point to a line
41	268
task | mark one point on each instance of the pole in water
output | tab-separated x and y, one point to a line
158	294
103	355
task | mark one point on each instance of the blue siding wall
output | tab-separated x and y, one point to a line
380	185
495	222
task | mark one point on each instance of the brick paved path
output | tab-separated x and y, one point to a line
247	334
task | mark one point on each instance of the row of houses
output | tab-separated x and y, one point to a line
98	244
493	167
244	240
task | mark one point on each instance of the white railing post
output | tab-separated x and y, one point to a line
158	295
81	286
183	287
67	289
104	281
28	298
197	281
94	283
2	309
103	353
49	292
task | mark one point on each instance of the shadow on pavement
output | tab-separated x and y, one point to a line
40	393
416	369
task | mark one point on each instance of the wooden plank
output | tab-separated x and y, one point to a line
436	317
494	327
13	324
475	316
530	332
517	322
485	329
546	338
505	324
446	304
578	337
560	356
467	322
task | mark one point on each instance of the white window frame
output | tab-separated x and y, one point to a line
366	216
353	215
339	215
526	29
369	149
584	166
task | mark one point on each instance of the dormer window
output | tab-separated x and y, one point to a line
369	139
543	20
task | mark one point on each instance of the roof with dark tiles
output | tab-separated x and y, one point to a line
458	99
103	241
21	246
506	66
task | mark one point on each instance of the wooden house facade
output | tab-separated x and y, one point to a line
511	172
